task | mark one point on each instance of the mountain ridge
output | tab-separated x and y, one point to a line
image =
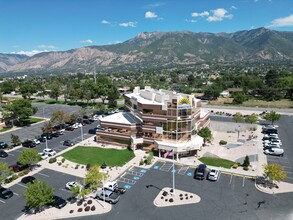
160	49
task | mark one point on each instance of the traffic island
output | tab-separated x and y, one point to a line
167	197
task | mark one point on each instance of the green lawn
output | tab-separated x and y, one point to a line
5	129
217	162
95	155
33	120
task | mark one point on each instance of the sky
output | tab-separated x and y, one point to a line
33	26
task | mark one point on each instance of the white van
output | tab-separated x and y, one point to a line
275	152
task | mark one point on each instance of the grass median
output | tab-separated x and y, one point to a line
95	155
217	162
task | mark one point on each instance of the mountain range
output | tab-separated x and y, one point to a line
151	50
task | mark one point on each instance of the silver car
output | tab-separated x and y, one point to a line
213	175
108	195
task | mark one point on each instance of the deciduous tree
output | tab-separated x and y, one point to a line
5	171
272	117
94	178
38	194
274	172
15	140
206	134
29	156
253	118
238	117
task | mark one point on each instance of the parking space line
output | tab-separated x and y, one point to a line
15	193
219	176
43	174
243	181
231	179
2	201
183	170
291	178
21	185
65	190
125	180
166	167
134	173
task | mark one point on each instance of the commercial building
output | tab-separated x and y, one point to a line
162	119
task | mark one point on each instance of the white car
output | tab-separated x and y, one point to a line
71	184
274	152
213	175
49	152
44	156
36	141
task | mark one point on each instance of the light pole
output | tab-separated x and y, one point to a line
46	143
81	130
103	182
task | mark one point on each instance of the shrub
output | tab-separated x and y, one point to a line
149	158
89	202
79	210
246	168
79	203
222	142
165	193
235	165
52	160
93	208
87	208
141	162
246	161
63	160
71	211
171	200
76	167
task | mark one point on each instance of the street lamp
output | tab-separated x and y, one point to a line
103	181
81	130
46	143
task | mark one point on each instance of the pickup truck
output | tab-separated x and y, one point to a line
108	195
113	186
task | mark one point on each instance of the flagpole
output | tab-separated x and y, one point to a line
173	175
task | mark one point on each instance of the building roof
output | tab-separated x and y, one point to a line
121	118
142	100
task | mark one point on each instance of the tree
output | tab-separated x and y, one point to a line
38	194
253	118
5	171
246	161
238	117
239	98
94	178
29	156
274	172
55	91
15	140
272	116
59	117
20	109
48	127
206	134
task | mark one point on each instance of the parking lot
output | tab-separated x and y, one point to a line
12	208
231	197
285	130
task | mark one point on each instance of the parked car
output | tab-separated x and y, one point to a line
68	143
69	128
92	130
36	141
44	156
108	195
213	175
271	131
71	184
18	167
58	202
49	152
3	145
29	144
269	145
3	154
42	139
48	136
274	152
266	127
87	121
5	193
55	134
28	179
200	172
60	132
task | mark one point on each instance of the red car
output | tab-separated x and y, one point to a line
69	128
18	167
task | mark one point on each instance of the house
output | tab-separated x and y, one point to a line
225	94
163	119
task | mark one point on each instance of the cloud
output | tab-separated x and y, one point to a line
282	22
192	20
128	24
105	22
219	15
89	41
46	46
155	5
29	53
201	14
233	7
150	14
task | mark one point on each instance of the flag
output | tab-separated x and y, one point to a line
169	153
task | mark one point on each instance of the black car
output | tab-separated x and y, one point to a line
3	145
28	179
58	202
3	154
200	172
87	121
92	131
5	193
42	139
29	144
55	134
47	135
68	143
